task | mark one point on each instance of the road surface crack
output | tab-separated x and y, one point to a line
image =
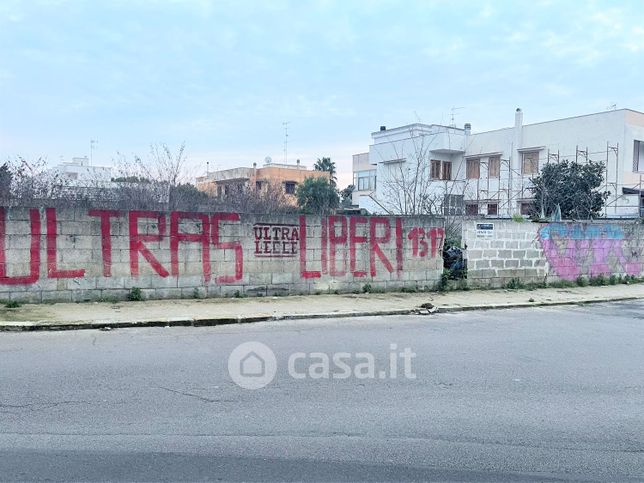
189	394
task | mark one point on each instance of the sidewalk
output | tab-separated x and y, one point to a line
200	312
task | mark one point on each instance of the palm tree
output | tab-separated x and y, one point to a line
325	164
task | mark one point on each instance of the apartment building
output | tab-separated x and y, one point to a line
445	169
225	182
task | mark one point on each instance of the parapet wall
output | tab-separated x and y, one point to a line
51	254
501	250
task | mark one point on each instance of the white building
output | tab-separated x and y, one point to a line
488	173
79	172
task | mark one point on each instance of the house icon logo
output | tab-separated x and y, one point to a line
252	365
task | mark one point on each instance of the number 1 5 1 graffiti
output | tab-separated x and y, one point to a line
422	240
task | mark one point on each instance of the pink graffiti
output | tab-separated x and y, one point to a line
577	249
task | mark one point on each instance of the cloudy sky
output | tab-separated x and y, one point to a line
223	76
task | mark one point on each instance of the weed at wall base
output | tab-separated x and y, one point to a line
514	284
135	295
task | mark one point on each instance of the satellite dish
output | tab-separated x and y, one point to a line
268	160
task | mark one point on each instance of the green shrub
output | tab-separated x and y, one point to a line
612	280
514	284
598	280
366	288
443	283
581	281
12	304
630	279
561	284
135	295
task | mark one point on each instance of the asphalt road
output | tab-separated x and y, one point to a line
543	394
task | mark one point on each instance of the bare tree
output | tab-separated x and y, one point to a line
156	182
409	188
30	182
271	198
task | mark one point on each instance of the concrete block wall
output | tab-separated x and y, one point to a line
501	250
77	254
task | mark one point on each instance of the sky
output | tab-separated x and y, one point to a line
224	76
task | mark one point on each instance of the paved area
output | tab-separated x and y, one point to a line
230	310
541	394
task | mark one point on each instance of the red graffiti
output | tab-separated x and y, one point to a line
419	236
52	265
375	240
137	241
234	245
106	237
354	240
34	251
304	273
338	235
358	246
334	241
177	237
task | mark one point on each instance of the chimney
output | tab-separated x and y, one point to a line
467	128
383	128
518	118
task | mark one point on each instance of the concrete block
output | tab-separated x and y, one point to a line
486	273
167	293
281	278
55	296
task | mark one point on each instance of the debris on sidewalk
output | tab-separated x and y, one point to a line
426	309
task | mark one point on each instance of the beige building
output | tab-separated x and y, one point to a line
224	182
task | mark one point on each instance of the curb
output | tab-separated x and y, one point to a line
33	326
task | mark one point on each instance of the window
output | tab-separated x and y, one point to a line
447	170
473	168
365	180
494	167
530	163
289	187
471	209
436	169
638	157
492	208
258	185
526	208
453	205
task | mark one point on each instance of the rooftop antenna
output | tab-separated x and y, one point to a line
92	143
453	110
285	124
612	107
